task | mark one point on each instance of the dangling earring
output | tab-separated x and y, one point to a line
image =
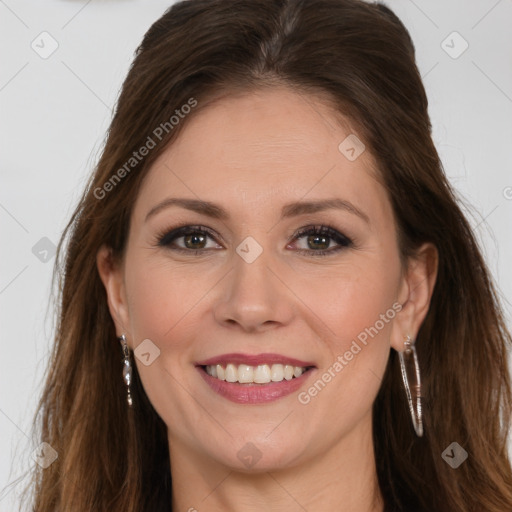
127	367
407	357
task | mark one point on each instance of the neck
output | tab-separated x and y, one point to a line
343	478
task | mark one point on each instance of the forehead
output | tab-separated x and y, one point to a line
263	145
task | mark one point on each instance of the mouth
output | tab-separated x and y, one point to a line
267	379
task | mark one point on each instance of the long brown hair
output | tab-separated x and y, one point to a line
360	57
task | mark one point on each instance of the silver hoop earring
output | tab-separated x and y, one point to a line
408	358
127	368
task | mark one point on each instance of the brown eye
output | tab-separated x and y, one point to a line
319	239
194	238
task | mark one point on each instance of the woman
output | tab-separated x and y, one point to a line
270	299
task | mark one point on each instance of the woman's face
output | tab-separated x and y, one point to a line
250	286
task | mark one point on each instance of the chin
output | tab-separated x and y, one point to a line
261	454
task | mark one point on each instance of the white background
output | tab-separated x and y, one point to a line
55	111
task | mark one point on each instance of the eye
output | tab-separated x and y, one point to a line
319	238
195	239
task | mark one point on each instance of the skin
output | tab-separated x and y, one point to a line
251	153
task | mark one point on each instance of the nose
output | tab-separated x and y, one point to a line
255	295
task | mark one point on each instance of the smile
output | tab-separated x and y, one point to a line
251	392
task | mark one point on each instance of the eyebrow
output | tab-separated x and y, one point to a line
289	210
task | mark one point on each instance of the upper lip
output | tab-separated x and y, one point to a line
254	360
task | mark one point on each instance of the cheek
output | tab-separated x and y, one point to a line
360	315
357	306
162	297
362	303
351	297
163	300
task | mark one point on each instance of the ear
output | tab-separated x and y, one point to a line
111	274
415	292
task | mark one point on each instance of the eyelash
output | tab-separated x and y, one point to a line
165	238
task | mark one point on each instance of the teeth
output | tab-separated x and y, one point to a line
245	374
261	374
231	373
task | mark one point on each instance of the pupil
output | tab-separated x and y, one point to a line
192	237
318	237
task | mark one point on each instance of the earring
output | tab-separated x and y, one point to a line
407	357
127	367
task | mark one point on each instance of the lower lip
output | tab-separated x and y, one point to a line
255	393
